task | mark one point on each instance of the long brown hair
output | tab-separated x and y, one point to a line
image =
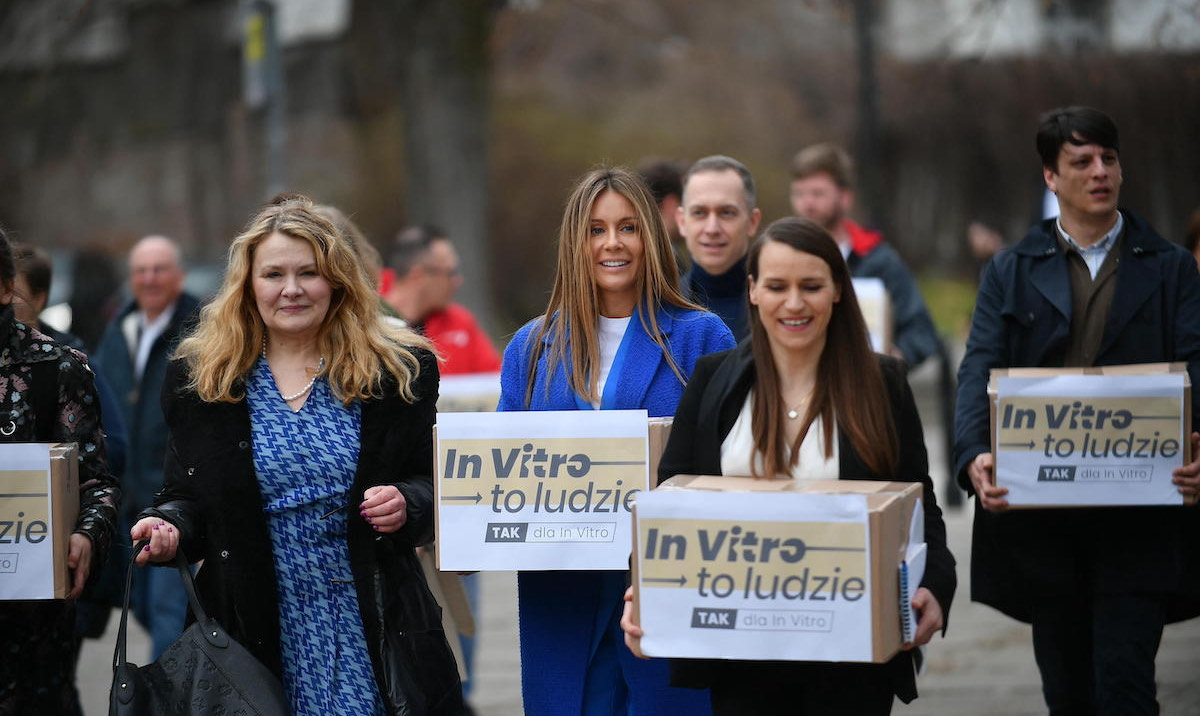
362	348
573	313
849	388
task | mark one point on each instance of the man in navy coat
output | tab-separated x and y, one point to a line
132	357
1096	286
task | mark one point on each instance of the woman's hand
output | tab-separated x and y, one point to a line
633	632
79	560
384	508
929	621
982	474
164	540
1187	478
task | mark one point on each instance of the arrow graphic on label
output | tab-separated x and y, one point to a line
464	498
681	581
1028	446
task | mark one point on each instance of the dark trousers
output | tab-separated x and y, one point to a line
1096	655
773	688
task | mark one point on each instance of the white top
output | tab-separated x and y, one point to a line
1095	254
140	334
612	330
738	447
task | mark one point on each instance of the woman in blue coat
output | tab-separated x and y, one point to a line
617	335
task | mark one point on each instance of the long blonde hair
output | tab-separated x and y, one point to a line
362	348
573	313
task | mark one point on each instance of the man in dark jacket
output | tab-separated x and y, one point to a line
822	190
718	218
132	357
1096	286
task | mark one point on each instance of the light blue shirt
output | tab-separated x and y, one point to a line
1095	254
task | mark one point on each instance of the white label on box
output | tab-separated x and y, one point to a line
538	490
739	575
873	302
26	523
1090	439
468	392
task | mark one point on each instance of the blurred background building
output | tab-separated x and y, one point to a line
126	117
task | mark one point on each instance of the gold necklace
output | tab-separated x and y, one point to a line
794	413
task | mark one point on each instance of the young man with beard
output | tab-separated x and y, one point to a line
822	190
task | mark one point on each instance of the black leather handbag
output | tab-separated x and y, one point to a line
203	672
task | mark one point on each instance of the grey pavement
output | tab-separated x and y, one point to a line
984	665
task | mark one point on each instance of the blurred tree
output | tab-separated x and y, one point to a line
446	76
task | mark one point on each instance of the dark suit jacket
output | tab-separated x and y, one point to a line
1023	318
709	408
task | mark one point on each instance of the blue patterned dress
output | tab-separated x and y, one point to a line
305	463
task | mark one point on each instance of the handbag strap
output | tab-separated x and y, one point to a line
44	380
181	565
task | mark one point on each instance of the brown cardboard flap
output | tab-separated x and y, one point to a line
659	431
1121	370
636	614
64	473
728	482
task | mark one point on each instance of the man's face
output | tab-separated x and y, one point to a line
715	220
1087	181
818	198
155	276
442	276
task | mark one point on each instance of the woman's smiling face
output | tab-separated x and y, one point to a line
794	294
616	248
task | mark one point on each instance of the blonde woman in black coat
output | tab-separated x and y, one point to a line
299	468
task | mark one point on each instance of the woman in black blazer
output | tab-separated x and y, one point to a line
805	398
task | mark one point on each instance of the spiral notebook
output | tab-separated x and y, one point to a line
912	570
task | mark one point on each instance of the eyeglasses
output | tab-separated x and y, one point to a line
439	271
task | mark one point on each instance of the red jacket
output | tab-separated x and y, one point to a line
460	341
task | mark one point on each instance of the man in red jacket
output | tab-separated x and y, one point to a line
423	276
822	190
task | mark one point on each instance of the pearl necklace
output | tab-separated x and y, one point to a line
305	389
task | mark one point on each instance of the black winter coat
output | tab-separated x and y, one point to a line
709	408
1023	318
212	495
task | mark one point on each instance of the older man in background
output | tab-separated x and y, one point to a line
132	357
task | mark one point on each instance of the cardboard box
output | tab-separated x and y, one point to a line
1076	437
876	307
814	574
538	490
659	431
39	504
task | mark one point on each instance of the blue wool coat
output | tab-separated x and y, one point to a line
566	616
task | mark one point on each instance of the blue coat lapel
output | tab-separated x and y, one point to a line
642	359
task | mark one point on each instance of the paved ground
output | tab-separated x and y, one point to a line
983	667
